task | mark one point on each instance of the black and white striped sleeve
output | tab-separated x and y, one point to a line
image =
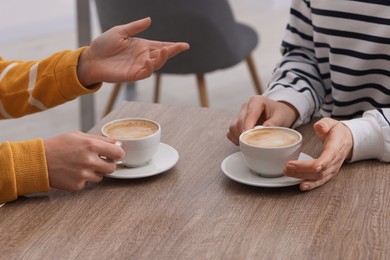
297	78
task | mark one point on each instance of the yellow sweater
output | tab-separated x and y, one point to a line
25	88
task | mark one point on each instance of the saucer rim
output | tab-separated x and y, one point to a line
285	181
158	170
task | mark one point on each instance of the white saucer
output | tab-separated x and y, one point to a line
234	167
164	159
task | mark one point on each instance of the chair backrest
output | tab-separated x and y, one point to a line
207	25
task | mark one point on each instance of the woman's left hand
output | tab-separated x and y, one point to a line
337	147
117	56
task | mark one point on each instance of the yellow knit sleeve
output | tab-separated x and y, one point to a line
28	87
23	169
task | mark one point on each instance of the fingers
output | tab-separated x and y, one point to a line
158	58
161	58
248	117
166	51
93	173
306	169
133	28
102	153
254	110
108	154
146	71
95	178
233	133
309	169
323	126
103	166
82	158
152	64
175	48
310	185
314	175
240	125
111	152
337	143
105	147
237	126
282	114
103	138
80	181
264	111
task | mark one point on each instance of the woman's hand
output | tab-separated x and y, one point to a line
77	158
337	147
117	56
261	110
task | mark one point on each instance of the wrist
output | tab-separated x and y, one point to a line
291	112
83	71
349	141
367	139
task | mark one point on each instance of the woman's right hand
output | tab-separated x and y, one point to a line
260	110
77	158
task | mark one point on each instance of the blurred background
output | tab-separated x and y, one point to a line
31	30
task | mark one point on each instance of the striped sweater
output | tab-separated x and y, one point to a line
25	88
336	63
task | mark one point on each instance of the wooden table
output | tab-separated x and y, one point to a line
193	211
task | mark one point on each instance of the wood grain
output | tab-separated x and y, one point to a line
193	211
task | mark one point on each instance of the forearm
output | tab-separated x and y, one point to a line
23	169
29	87
297	79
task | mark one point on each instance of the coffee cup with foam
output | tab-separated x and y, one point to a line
267	149
139	138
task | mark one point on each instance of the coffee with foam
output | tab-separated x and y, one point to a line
130	129
270	138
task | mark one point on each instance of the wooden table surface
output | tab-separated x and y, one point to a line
193	211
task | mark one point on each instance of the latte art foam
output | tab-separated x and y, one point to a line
270	138
130	129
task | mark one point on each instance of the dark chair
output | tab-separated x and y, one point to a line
217	40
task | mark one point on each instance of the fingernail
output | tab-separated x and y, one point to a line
305	187
319	168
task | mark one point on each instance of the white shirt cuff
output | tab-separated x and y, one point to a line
367	139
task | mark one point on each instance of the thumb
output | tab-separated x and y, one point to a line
135	27
323	126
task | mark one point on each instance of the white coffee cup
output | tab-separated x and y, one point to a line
267	149
139	138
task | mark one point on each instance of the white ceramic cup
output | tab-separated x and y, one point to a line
267	149
139	138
